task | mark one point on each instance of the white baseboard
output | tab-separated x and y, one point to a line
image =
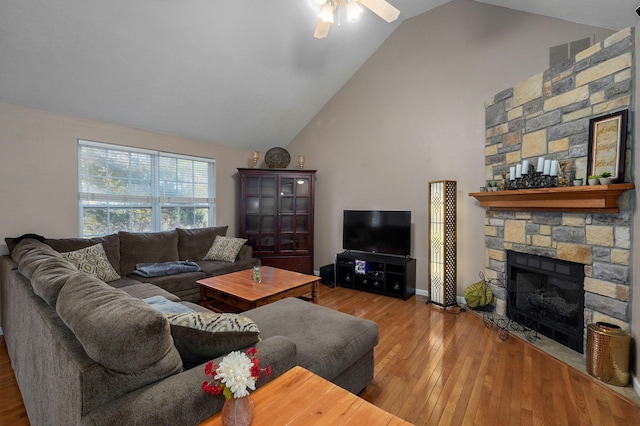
636	384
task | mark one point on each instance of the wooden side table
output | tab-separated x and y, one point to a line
299	397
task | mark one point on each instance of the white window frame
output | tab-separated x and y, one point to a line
154	199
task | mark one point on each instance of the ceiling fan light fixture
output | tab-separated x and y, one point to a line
354	11
326	14
320	2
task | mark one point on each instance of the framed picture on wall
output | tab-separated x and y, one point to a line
607	145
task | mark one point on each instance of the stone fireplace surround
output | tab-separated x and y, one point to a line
548	115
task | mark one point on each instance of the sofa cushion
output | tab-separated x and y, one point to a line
110	244
215	267
12	242
29	254
225	249
49	278
174	283
193	244
202	336
93	261
146	247
118	331
328	341
144	290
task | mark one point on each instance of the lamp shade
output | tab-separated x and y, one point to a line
354	11
326	14
442	242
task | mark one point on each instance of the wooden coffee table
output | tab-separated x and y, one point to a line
299	397
238	289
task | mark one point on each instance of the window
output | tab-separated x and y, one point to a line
128	189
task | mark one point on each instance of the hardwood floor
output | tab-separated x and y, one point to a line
12	410
439	368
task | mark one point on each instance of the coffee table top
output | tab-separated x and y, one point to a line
299	397
274	281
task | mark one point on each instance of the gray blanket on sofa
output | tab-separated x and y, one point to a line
148	270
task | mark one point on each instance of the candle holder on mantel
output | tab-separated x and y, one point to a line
562	178
505	183
533	179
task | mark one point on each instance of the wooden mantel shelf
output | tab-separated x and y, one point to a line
593	198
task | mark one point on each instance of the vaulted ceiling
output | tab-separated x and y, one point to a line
241	73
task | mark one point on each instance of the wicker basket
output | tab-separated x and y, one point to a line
608	353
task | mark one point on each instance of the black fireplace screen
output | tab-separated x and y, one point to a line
547	295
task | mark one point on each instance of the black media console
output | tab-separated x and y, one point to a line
389	275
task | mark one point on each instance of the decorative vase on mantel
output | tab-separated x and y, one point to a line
238	411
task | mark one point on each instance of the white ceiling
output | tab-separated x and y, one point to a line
242	73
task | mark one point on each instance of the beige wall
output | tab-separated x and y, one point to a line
414	112
38	169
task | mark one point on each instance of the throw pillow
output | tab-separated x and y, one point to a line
225	249
202	336
193	244
93	260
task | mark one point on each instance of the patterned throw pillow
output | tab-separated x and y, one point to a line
225	249
93	260
202	336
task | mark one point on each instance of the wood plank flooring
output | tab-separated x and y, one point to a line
440	368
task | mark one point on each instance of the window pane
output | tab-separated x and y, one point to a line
95	222
286	223
107	220
184	217
302	187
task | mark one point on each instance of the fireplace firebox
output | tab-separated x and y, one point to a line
547	295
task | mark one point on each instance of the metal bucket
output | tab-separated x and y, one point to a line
608	353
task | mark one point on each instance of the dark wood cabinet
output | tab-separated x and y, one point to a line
276	216
389	275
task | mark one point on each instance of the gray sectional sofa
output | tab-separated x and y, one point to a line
127	249
95	353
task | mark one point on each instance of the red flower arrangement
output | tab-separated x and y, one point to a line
236	372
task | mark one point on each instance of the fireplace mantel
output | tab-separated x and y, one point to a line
593	198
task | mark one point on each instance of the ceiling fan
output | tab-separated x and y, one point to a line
354	10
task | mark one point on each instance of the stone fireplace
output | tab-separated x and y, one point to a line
548	116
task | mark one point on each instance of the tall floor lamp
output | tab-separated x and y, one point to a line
442	242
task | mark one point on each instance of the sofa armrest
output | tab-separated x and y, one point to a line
245	253
179	399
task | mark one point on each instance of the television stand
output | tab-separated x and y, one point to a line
377	273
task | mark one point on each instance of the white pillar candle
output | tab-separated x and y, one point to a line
519	171
512	173
554	168
525	167
540	167
547	167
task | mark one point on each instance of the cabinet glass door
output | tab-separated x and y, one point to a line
294	215
261	213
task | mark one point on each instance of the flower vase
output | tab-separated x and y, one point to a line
238	411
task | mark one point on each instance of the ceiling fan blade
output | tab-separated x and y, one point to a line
322	29
381	8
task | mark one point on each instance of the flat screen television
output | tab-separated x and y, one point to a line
377	231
